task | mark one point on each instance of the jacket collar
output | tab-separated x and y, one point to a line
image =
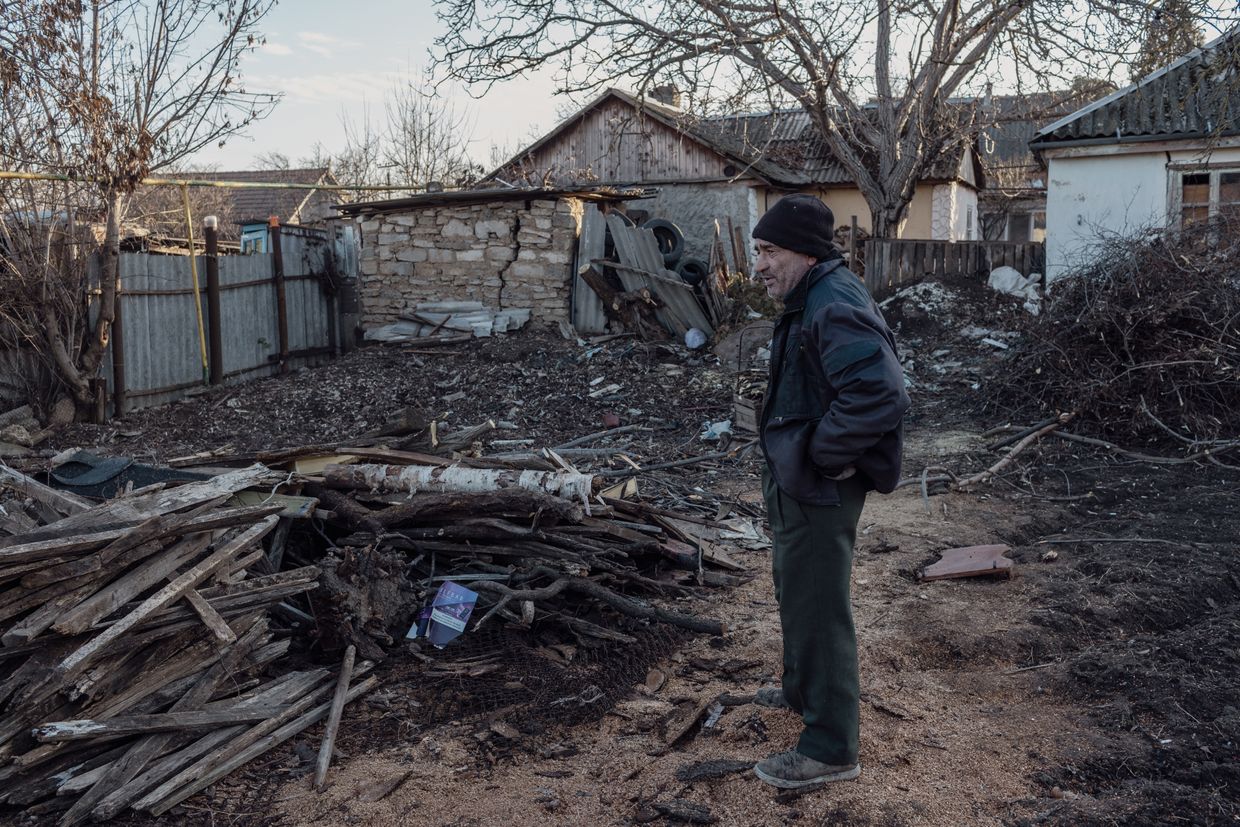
795	300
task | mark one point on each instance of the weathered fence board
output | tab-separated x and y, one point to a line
891	263
162	347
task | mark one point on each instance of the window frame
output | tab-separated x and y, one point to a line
1175	185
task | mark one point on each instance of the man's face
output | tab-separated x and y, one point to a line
780	269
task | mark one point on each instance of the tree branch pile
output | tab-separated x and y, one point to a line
137	663
1143	344
524	540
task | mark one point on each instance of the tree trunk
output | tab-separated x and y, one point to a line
886	220
78	376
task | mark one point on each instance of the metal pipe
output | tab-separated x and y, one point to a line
195	182
118	351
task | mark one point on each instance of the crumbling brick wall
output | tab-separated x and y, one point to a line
506	254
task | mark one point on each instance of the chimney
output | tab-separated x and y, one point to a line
666	94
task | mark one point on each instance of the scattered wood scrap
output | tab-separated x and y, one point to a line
137	651
972	561
143	639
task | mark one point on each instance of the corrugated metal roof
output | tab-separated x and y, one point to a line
1197	95
786	147
782	147
483	196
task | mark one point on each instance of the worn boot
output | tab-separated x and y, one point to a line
789	770
771	696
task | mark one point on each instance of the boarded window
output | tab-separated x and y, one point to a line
1209	194
1195	197
1229	195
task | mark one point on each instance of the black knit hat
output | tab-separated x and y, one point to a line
801	223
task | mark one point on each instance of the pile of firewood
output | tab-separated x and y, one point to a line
144	638
136	642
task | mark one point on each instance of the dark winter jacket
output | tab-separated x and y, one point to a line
836	396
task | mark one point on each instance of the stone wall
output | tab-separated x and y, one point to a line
507	254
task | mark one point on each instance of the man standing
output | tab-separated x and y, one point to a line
831	432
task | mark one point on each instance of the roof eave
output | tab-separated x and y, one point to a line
1039	147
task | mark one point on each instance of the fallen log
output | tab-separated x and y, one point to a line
416	478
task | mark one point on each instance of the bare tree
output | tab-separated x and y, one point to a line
423	140
877	78
108	92
272	160
358	164
427	139
1172	30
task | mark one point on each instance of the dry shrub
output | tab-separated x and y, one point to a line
1143	343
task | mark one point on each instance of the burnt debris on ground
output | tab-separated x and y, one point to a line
164	638
1129	560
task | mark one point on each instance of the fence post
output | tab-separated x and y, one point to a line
215	339
118	350
277	275
852	249
331	287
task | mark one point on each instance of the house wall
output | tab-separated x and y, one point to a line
512	254
919	219
1094	192
694	208
617	143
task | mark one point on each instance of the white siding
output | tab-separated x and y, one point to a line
1088	198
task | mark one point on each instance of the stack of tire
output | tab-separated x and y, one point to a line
672	245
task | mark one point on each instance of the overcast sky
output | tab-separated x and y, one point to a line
332	57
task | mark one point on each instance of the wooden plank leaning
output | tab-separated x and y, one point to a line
333	720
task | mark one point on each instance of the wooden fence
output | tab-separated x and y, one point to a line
889	264
268	321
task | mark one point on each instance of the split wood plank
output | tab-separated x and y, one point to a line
137	509
41	619
292	506
283	692
123	770
174	590
61	501
130	585
210	617
56	731
132	546
254	742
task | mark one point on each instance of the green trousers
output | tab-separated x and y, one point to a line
811	563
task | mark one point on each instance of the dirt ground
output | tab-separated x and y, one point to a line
1095	687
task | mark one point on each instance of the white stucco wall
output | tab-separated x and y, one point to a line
1095	192
949	220
1090	197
